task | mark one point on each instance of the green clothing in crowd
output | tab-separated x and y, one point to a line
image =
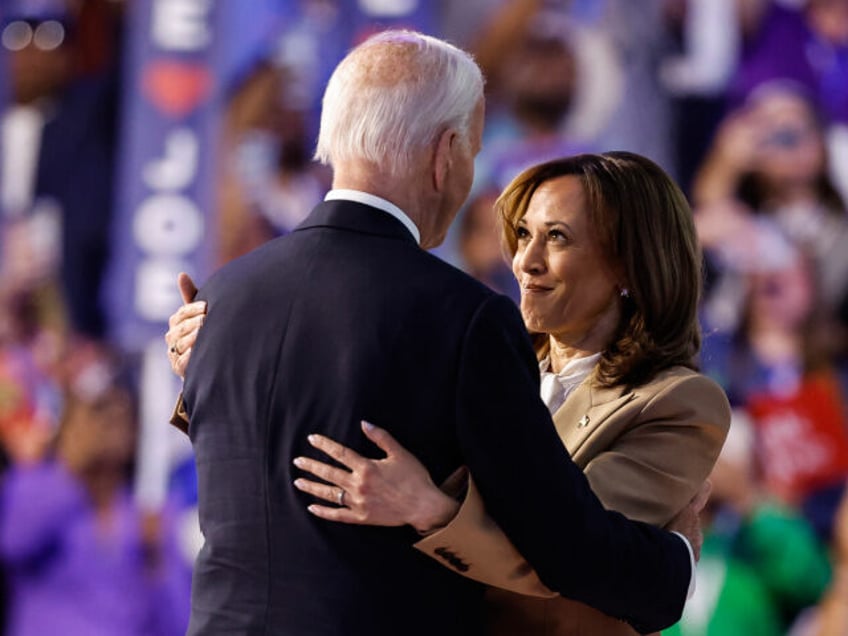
755	575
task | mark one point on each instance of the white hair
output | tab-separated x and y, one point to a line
392	96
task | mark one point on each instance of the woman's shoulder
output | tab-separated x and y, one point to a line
678	375
680	387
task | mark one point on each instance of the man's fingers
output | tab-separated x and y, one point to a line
341	454
188	290
383	439
331	474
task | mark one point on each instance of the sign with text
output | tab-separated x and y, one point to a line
170	115
164	214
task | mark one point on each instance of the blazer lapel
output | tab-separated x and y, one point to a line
585	410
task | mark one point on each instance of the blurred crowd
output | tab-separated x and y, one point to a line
744	102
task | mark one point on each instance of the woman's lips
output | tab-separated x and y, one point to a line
535	288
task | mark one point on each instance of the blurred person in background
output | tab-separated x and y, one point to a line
480	248
705	48
30	397
543	70
830	617
529	54
58	139
762	564
805	42
268	176
768	161
779	366
81	558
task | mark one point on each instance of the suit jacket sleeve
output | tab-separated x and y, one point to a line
649	474
487	554
541	499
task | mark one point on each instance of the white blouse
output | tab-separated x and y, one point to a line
556	387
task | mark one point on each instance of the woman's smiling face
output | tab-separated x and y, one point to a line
566	284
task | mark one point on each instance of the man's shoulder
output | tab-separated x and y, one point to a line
281	265
445	271
253	266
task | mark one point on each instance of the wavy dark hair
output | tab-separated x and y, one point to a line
645	230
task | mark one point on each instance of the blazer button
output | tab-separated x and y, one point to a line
452	559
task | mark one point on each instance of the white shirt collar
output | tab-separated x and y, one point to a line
556	387
375	202
576	367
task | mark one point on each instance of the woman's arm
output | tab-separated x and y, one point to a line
649	473
397	490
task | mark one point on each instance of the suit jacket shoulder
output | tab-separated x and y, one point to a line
647	452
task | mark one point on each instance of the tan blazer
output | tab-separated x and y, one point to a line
645	452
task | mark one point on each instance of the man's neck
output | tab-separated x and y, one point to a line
377	202
403	192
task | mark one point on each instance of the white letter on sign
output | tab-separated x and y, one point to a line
181	25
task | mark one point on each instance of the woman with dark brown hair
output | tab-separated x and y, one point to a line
606	256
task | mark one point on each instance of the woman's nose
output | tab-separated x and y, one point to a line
531	258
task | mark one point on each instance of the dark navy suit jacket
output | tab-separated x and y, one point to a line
348	319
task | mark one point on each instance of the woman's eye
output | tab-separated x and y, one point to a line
557	235
522	233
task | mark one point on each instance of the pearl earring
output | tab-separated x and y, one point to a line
624	293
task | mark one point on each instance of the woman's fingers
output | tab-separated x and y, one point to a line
180	362
184	335
185	312
188	290
331	474
183	325
341	454
343	515
322	491
383	439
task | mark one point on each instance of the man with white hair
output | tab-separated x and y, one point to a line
349	319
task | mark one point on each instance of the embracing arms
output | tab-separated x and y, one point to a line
537	494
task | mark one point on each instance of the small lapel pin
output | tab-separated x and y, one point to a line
584	421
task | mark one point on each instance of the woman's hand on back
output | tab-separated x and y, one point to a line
184	325
392	491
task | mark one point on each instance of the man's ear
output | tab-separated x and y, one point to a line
443	158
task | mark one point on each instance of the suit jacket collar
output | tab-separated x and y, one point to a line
356	217
585	410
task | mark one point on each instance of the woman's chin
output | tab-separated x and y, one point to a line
534	324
